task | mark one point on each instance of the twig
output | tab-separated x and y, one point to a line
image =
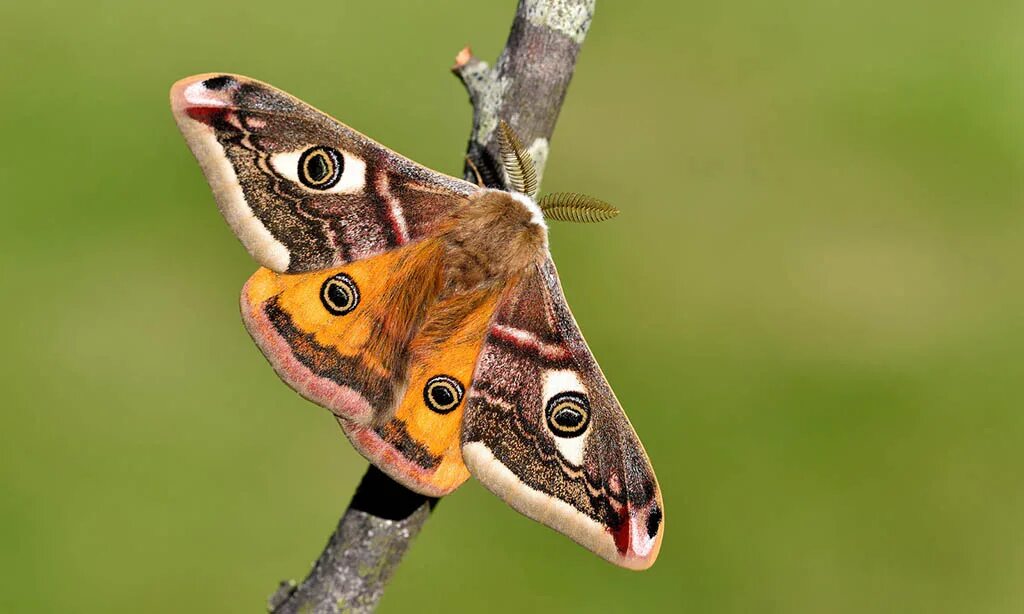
363	552
527	86
526	89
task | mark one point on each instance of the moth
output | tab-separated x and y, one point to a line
424	312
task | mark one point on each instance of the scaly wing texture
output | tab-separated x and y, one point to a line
420	446
301	190
373	342
341	337
544	431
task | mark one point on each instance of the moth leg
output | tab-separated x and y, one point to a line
476	171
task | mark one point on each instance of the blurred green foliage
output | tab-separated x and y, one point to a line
811	305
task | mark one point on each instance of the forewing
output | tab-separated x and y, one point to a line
302	191
544	431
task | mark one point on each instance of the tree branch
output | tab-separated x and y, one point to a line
526	89
363	552
527	86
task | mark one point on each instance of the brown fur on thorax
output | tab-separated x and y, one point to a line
491	239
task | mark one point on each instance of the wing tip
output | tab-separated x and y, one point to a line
199	103
633	546
205	90
647	527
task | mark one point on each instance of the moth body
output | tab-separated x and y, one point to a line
494	238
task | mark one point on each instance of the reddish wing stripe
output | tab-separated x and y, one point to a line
525	340
382	185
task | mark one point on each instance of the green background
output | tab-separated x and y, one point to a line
811	305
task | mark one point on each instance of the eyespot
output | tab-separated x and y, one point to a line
443	393
320	167
568	414
339	294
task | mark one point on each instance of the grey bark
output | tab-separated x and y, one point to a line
527	86
351	573
526	89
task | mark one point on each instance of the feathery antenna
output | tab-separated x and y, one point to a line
522	176
575	207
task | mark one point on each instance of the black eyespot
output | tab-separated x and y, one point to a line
320	167
443	393
217	83
339	294
568	414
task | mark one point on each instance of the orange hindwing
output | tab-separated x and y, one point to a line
341	337
375	343
419	446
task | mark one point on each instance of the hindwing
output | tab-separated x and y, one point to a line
376	343
419	445
341	337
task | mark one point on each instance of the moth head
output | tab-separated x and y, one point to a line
521	178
